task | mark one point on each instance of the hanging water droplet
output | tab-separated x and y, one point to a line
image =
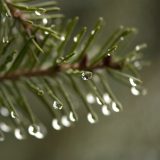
45	21
65	122
107	98
105	110
99	101
57	105
56	125
4	111
75	39
135	91
92	118
115	107
2	137
72	117
18	133
37	131
5	39
90	98
63	38
46	33
86	75
4	127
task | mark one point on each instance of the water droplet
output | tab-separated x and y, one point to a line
75	39
138	65
98	101
4	111
72	117
92	118
46	33
5	39
107	98
37	131
2	137
57	105
133	82
63	38
92	32
13	115
86	75
40	92
90	98
38	13
18	133
56	125
135	91
115	107
45	21
105	110
4	127
122	38
65	121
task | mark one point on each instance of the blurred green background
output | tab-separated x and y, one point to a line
133	134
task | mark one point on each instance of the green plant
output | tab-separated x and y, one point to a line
41	54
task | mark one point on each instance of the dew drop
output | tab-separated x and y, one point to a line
13	115
122	38
33	129
19	134
75	39
98	101
65	122
115	107
92	32
90	98
2	137
57	105
132	82
86	75
5	39
4	127
45	21
40	92
135	91
92	118
4	112
105	110
38	13
56	125
107	98
46	33
72	117
63	38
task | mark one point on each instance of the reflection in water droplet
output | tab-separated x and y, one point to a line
4	127
56	125
135	91
132	82
2	137
75	39
98	101
63	38
19	134
45	21
92	118
65	121
115	107
4	111
57	105
90	98
86	75
107	98
72	117
105	110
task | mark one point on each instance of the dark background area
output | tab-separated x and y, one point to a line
133	134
